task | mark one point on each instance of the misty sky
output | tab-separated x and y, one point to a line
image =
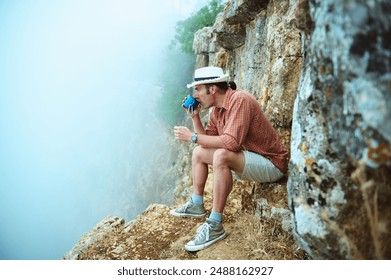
76	82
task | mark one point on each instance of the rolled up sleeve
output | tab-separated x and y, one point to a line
230	143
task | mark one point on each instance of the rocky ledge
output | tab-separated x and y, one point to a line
156	235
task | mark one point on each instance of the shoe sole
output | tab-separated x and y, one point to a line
193	248
186	215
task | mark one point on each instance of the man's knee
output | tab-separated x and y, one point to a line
218	157
201	154
227	158
197	152
222	157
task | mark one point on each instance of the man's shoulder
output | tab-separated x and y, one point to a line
243	95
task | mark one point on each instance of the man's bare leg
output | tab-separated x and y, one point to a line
224	161
202	157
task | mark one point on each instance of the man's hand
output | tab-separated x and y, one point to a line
182	133
191	113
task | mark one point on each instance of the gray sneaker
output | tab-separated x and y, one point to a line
207	234
189	209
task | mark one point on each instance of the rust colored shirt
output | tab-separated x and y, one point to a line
242	125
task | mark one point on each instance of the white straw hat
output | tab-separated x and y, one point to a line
208	75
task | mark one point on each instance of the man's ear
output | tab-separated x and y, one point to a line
213	89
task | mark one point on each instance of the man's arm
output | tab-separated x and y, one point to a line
197	124
210	141
182	133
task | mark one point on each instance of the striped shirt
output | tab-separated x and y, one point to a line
242	125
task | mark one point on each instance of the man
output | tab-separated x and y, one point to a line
238	137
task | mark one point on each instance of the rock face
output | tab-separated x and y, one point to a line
340	180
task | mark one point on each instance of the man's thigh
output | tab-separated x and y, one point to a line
260	169
234	160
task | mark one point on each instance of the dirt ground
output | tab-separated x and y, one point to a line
157	235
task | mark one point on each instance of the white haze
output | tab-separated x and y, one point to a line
77	126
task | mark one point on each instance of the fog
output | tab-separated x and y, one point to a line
78	83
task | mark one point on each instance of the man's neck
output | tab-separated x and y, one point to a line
220	97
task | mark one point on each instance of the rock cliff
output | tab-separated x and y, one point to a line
340	180
321	72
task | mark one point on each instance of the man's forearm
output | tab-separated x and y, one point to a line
207	141
197	124
210	141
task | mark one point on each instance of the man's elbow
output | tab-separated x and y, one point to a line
235	149
230	143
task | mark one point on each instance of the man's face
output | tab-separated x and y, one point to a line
203	96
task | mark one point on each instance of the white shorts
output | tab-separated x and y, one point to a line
258	168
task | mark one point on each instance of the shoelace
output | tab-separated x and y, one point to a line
185	206
202	231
